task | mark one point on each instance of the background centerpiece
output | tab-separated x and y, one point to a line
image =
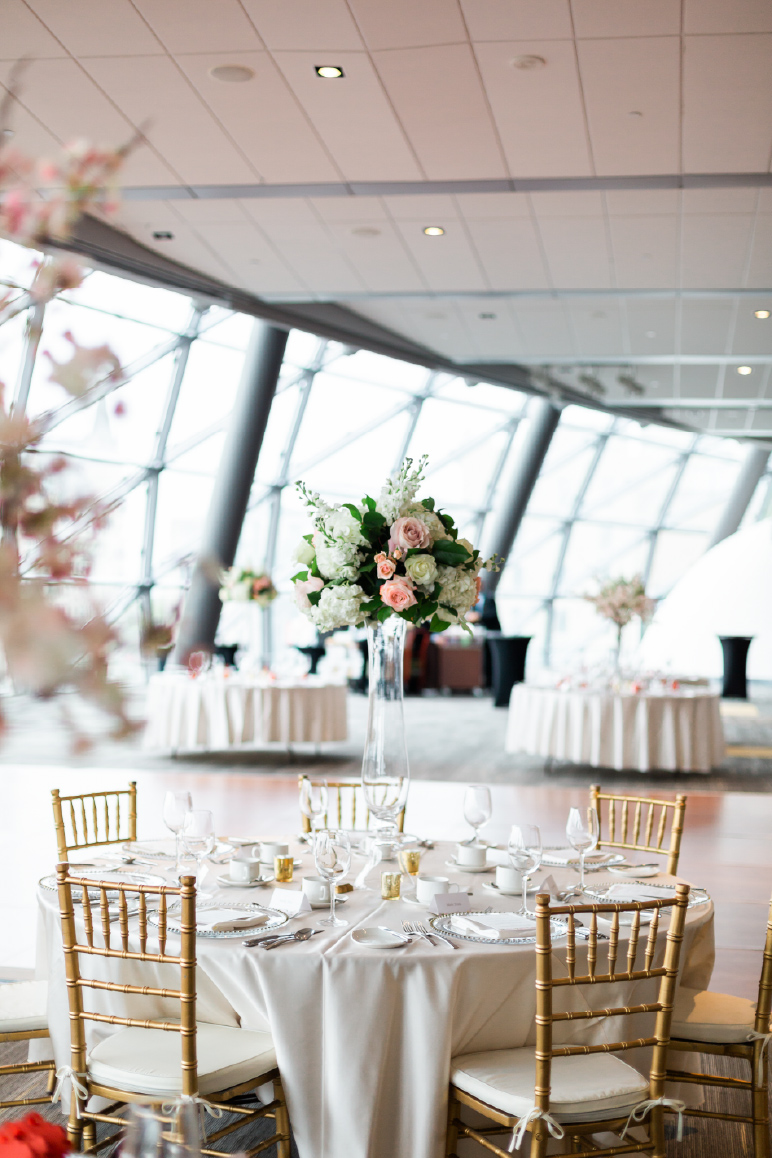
382	564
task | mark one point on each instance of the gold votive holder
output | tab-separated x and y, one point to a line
390	883
410	861
282	867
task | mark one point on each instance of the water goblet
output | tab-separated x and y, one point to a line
176	805
313	801
583	832
198	835
477	807
332	857
525	853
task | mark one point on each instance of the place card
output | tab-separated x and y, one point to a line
549	885
450	903
290	901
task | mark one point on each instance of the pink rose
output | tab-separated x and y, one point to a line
409	533
386	568
302	587
398	594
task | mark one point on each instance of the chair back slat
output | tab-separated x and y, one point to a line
87	920
94	818
104	909
764	1001
343	804
638	832
142	923
632	944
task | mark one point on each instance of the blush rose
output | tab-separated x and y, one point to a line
409	533
398	594
303	586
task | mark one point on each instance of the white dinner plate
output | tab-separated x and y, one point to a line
599	892
375	938
593	862
164	848
469	868
275	918
226	881
633	871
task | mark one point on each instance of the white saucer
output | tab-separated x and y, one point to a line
492	887
341	900
227	882
379	939
632	871
469	868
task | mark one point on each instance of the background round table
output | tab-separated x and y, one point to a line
214	712
680	731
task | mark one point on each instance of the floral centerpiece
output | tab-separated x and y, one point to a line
245	586
33	1137
622	600
390	556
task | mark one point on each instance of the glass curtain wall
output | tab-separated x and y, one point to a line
613	497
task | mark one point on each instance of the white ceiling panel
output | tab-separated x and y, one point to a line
651	326
706	326
698	382
439	98
84	30
440	326
539	111
30	136
569	203
353	117
203	27
714	250
517	19
702	16
263	118
350	210
625	76
493	205
626	17
760	265
305	24
510	253
186	246
577	252
380	259
599	327
642	202
546	329
405	24
753	335
446	263
309	248
719	200
151	90
24	36
645	251
430	209
244	248
281	216
214	211
727	104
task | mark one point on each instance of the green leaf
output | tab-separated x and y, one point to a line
315	569
429	609
437	625
373	519
450	553
428	503
314	597
367	567
383	614
369	503
356	513
302	575
309	539
448	607
447	521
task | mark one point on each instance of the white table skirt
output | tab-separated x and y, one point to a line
680	732
363	1037
212	713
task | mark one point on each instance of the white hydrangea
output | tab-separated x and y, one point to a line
337	562
338	607
341	526
459	591
430	519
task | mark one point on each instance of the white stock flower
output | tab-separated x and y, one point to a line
422	569
338	607
305	553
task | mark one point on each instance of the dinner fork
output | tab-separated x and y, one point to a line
415	931
425	933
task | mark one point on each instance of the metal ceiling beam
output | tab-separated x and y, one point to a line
751	473
633	360
706	403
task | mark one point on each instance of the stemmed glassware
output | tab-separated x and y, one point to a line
385	796
198	834
525	853
583	832
332	856
153	1133
313	801
477	808
176	805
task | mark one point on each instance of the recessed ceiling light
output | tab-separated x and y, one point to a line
231	73
635	113
486	317
366	231
329	71
761	314
163	235
651	333
434	231
528	61
744	370
9	133
435	315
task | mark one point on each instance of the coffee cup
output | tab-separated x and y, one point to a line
244	869
471	855
317	889
508	879
426	888
271	848
246	852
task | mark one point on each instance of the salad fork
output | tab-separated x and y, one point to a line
417	931
440	936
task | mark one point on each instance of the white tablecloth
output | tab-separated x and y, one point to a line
364	1037
681	732
214	712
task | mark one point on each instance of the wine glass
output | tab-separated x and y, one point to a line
525	853
385	796
332	856
583	832
198	834
172	1133
477	808
176	804
313	801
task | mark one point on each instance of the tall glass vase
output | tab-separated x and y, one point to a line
385	771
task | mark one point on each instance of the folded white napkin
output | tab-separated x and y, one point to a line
226	920
492	926
566	855
154	848
622	892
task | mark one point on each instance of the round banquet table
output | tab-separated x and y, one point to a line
364	1037
214	712
680	731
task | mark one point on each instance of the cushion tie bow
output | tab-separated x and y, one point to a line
191	1100
639	1112
554	1127
765	1038
67	1074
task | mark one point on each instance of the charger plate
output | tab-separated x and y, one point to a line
115	876
275	918
442	923
163	848
589	866
599	891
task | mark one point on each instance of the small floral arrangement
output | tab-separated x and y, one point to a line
33	1137
247	586
621	600
390	556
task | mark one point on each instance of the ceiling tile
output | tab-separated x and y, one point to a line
307	247
621	77
510	253
697	382
760	266
651	326
714	250
442	331
719	200
569	203
30	136
83	29
185	247
380	259
727	104
305	24
405	24
626	17
598	327
350	210
446	263
642	202
428	209
24	36
438	96
353	117
205	27
263	118
493	205
151	90
247	252
496	338
517	19
577	252
216	211
727	16
645	251
546	329
538	112
753	335
281	216
706	325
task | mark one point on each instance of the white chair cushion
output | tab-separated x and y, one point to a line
699	1015
584	1087
23	1006
148	1061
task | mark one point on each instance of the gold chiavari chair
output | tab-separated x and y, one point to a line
162	1059
633	824
22	1018
726	1026
575	1091
343	804
94	818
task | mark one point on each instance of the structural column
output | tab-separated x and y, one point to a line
262	365
751	472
